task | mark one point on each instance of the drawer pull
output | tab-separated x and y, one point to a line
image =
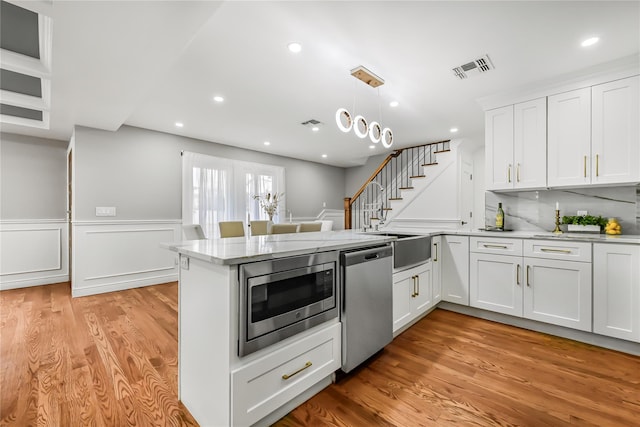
306	365
557	251
494	246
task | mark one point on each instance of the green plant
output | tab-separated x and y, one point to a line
585	220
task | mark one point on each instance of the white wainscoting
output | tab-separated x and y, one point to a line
33	252
116	255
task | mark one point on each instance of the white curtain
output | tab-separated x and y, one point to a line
216	189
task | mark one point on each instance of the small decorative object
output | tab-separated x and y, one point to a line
557	229
269	203
613	227
584	223
500	218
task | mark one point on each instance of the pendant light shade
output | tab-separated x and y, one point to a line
343	114
361	127
387	138
375	132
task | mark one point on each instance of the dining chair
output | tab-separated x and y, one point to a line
231	228
193	232
309	226
259	228
283	228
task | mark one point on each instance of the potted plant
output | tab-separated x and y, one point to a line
584	223
269	203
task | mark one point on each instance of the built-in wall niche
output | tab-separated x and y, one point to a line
535	210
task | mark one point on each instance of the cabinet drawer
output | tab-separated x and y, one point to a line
493	245
265	384
570	251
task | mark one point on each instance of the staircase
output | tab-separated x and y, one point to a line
399	179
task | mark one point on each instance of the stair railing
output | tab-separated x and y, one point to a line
394	174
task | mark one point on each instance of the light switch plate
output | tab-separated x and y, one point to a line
582	213
105	211
184	262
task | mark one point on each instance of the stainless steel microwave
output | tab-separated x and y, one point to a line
282	297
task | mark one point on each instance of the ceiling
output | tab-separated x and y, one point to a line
151	64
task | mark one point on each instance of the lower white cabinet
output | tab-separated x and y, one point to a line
547	281
616	290
412	294
455	269
265	384
436	268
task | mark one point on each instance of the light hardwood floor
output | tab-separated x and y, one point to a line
111	360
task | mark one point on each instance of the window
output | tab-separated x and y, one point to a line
216	189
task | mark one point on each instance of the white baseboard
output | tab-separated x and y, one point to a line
33	252
112	256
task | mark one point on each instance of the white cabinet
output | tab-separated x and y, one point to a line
616	290
593	135
455	269
263	385
436	268
558	283
516	146
615	134
547	281
412	294
569	138
495	282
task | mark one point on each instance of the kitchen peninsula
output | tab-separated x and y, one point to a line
218	386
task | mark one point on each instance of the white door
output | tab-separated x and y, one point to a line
530	144
495	283
615	141
402	299
466	195
455	269
616	291
424	290
569	138
498	140
558	292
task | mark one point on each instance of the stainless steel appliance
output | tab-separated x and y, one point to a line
282	297
410	249
366	314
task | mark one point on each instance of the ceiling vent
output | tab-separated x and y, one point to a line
311	122
480	65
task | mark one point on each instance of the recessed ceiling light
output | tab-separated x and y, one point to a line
267	143
372	146
294	47
324	156
218	98
394	104
453	130
590	41
179	124
315	128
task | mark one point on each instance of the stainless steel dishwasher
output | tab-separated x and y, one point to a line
366	315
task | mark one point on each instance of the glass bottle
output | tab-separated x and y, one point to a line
500	217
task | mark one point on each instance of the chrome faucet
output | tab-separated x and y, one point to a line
381	213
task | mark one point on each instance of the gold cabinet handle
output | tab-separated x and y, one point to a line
306	365
418	282
518	275
494	246
585	166
518	172
597	165
509	173
413	295
436	258
556	251
528	276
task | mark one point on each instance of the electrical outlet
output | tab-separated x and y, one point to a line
184	262
106	211
582	213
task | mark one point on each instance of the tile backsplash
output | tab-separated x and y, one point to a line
535	210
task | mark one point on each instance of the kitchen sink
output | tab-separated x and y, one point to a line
409	249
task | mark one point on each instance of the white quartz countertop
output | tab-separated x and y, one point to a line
238	250
582	237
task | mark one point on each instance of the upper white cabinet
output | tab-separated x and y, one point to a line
569	138
615	134
516	146
594	136
616	291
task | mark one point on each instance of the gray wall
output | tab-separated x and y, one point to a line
358	175
32	178
139	172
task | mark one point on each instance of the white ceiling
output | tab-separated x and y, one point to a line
152	63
